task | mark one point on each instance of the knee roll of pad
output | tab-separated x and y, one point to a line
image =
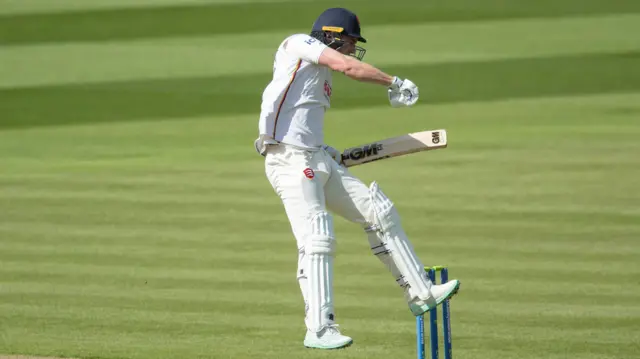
385	213
321	239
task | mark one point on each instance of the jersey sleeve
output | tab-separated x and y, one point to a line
305	47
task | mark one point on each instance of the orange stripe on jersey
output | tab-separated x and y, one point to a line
293	77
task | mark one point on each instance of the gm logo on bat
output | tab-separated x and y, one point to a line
362	152
435	138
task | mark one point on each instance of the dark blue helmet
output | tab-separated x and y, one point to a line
334	22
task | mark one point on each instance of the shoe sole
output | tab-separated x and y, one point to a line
450	295
331	348
445	298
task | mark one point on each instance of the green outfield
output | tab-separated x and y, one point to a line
136	221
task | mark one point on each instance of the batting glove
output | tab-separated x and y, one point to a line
335	154
403	93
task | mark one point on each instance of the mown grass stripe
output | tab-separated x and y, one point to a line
195	301
624	254
127	60
527	322
218	19
402	331
122	211
184	204
214	301
76	254
378	339
576	289
563	240
46	6
230	259
197	273
140	320
234	221
161	232
619	239
456	82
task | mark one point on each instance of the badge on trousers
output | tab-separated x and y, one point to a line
308	172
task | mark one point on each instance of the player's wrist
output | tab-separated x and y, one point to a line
396	82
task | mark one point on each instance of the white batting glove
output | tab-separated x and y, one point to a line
335	154
403	93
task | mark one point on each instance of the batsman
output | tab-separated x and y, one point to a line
313	185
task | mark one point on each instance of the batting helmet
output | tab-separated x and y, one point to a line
338	21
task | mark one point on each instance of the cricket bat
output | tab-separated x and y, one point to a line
394	147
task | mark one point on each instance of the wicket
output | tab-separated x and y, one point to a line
433	319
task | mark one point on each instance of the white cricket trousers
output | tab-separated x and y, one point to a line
311	184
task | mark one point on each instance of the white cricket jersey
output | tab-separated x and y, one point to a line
294	103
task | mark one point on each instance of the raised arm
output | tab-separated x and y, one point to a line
401	92
353	68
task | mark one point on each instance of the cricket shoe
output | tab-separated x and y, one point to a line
439	293
327	338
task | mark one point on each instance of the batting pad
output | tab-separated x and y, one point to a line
301	276
381	251
320	247
396	251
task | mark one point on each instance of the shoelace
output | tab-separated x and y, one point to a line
333	328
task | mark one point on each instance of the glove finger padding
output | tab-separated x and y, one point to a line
410	90
400	98
410	96
406	94
394	98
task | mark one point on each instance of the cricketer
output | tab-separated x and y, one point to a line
312	183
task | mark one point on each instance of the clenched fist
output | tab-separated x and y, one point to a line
402	93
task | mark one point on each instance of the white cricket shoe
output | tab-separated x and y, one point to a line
439	293
327	338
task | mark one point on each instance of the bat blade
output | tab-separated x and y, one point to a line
394	147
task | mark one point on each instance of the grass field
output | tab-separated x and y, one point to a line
136	221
